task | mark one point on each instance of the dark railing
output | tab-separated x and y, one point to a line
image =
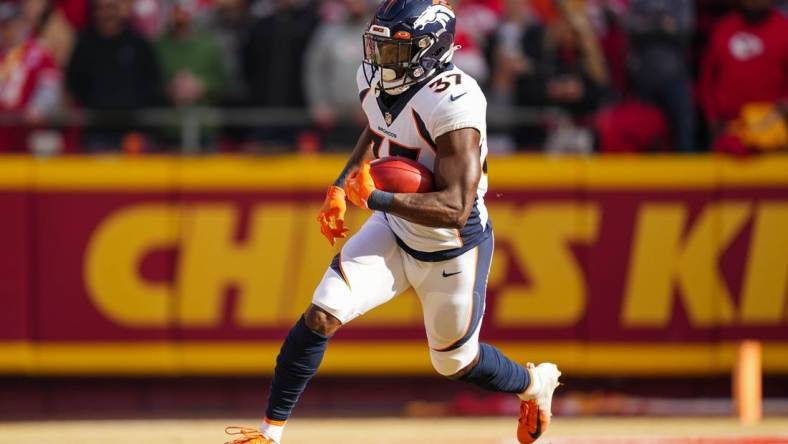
190	123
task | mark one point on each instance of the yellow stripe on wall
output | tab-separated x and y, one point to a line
370	358
295	172
16	172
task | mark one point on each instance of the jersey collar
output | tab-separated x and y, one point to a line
390	113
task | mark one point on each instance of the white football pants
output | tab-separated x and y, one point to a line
371	270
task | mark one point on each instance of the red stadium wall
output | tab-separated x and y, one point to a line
163	266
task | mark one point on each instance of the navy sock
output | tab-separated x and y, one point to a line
298	360
497	373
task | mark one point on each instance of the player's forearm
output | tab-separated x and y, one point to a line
441	209
361	152
457	175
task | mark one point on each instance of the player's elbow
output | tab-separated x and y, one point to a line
457	221
458	217
455	209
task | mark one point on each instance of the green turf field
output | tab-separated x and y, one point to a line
400	430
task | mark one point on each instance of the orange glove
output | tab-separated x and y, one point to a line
359	185
332	215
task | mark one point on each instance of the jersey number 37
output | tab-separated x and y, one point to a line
443	83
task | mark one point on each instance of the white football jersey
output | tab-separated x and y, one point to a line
449	101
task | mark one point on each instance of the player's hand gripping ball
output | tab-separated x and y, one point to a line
332	215
392	174
359	185
401	175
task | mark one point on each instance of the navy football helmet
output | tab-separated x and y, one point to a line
407	42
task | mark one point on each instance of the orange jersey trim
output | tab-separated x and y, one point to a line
342	271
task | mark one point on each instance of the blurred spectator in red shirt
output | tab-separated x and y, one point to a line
746	64
113	68
75	11
47	21
30	84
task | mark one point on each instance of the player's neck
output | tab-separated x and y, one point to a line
389	99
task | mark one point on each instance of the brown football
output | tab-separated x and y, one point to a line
401	175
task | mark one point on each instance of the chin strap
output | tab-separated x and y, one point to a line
396	90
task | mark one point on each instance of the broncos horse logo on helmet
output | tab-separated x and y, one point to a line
408	41
435	13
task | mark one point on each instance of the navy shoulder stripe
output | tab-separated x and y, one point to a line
422	128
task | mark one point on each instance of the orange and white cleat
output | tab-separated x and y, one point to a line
247	436
532	422
536	402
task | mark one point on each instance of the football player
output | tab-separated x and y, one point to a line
440	243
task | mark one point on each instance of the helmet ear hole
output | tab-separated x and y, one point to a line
428	63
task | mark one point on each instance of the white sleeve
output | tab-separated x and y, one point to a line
459	108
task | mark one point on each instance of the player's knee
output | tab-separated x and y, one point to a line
453	364
321	321
465	370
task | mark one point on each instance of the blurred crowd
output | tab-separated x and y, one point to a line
615	75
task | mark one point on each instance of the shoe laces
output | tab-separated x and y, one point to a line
247	436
